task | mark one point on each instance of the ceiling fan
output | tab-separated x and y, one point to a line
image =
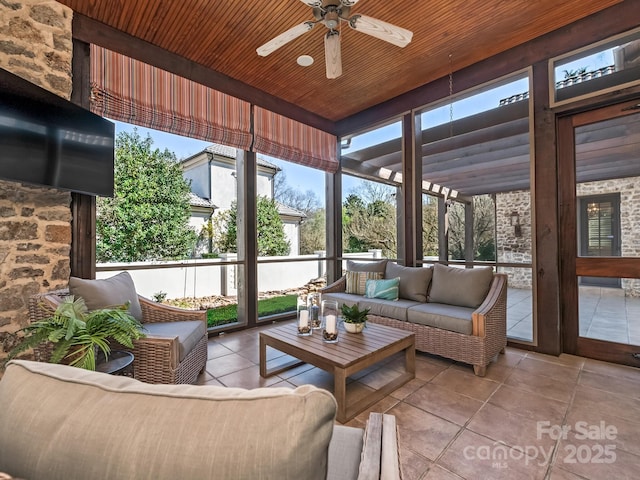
330	13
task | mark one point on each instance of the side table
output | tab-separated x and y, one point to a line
120	362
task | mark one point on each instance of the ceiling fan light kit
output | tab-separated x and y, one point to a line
330	13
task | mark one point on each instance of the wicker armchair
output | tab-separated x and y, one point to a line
157	358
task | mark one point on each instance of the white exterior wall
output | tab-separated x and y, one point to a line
224	186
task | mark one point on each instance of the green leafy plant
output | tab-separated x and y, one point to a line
159	296
353	314
76	333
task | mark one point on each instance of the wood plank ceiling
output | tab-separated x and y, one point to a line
223	35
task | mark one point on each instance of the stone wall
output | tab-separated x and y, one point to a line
629	190
512	248
35	223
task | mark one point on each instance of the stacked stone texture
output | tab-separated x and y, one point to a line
512	249
35	223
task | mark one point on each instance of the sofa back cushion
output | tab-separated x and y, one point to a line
357	281
98	426
464	287
377	266
414	281
116	290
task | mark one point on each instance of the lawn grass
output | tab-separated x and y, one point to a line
268	306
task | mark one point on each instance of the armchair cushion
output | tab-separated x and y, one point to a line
188	333
116	290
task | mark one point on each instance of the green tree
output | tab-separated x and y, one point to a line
313	232
148	217
483	229
271	237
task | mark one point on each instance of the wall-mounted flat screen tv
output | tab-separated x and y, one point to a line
47	140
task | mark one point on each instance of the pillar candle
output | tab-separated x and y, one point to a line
331	324
304	319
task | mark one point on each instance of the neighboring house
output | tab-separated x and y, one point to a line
212	173
201	211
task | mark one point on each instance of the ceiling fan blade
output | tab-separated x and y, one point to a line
384	31
285	37
333	54
312	3
348	3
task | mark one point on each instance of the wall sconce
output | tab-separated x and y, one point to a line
515	223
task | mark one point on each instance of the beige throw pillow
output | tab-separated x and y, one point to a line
116	290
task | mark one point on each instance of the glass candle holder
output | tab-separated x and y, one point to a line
329	316
304	322
313	304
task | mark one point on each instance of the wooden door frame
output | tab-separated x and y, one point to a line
571	265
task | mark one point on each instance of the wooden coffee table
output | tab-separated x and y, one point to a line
352	353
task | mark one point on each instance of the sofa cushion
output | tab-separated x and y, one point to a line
464	287
385	308
349	299
447	317
382	289
98	426
377	266
414	281
189	333
357	281
116	290
345	450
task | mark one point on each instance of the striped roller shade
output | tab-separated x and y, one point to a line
296	142
130	91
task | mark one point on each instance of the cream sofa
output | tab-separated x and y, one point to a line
61	422
456	313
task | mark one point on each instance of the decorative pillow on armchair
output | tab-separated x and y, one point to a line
116	290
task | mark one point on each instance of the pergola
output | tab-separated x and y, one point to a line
508	148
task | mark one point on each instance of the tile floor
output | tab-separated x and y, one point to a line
605	314
532	417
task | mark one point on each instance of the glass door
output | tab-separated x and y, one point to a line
599	176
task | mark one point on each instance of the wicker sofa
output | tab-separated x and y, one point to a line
175	347
91	425
455	313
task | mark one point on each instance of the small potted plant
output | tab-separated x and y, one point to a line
354	318
73	335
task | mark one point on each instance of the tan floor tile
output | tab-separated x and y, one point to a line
427	369
229	363
253	354
610	369
215	349
380	377
596	461
466	384
423	432
617	385
618	405
248	378
542	385
510	428
213	382
558	473
292	372
562	359
539	366
444	403
510	358
237	342
314	376
283	383
436	472
474	456
495	371
383	406
530	405
408	388
622	433
413	466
